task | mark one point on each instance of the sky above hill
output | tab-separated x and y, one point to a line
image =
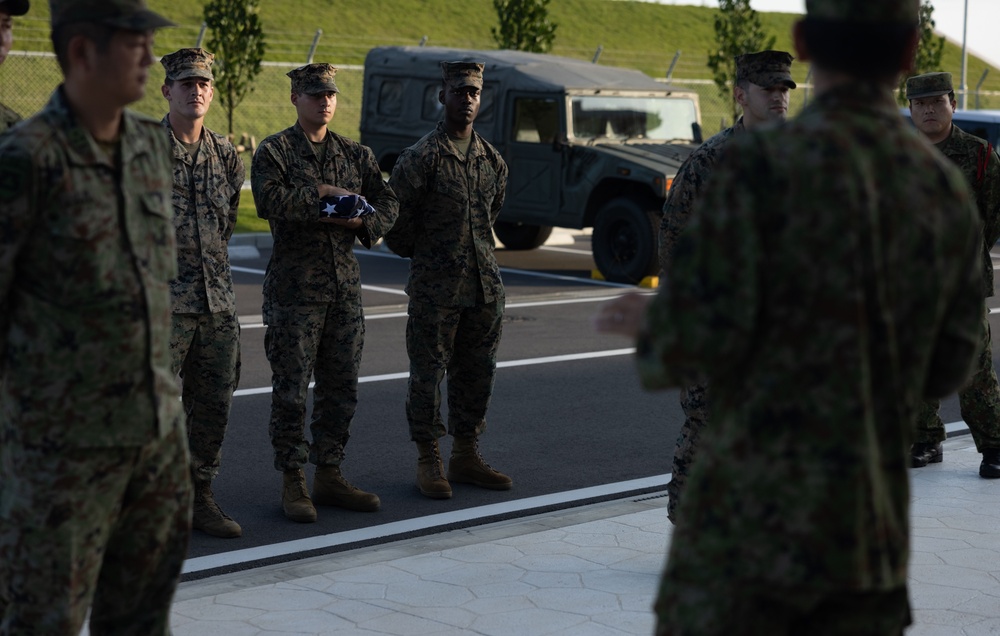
984	18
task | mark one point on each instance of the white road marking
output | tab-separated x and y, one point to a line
249	555
571	357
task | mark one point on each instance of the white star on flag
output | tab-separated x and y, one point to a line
329	209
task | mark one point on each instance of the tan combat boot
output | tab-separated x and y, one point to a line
430	472
209	518
331	489
295	497
467	466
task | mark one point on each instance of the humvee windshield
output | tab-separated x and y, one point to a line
624	117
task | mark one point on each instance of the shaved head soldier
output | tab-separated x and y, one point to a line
932	105
763	82
796	518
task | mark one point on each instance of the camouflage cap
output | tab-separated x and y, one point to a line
929	85
459	74
187	63
766	68
314	78
14	7
904	11
123	14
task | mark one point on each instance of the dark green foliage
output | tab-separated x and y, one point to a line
524	25
236	37
737	31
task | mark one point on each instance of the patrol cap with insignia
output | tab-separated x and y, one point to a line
900	11
14	7
765	68
929	85
122	14
186	63
461	74
312	79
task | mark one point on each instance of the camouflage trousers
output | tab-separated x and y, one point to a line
324	339
205	351
694	403
99	528
728	607
979	402
461	342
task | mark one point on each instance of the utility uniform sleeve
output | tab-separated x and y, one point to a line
280	192
990	200
704	315
380	196
16	219
409	182
237	176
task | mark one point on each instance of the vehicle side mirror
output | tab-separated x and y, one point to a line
696	133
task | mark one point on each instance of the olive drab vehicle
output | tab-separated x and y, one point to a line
587	145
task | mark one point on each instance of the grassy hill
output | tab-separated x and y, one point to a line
631	34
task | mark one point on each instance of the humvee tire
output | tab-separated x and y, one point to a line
624	241
521	236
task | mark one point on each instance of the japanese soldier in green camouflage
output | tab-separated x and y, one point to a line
312	289
932	104
451	186
763	82
95	491
205	340
829	281
8	10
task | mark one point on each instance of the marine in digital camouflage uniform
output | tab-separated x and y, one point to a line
8	10
795	518
312	290
451	185
95	497
205	339
932	104
763	80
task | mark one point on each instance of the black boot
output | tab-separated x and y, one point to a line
990	468
924	453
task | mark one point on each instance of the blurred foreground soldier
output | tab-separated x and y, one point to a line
763	82
312	289
8	10
932	105
451	186
95	495
795	519
205	340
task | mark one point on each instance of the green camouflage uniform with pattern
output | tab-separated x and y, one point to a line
94	485
205	338
447	207
312	288
7	118
980	399
799	500
764	68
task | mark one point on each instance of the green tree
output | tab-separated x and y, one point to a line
236	37
524	25
929	49
737	31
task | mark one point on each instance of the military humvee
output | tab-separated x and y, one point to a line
587	145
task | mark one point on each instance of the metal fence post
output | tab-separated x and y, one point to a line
201	36
312	49
597	54
979	86
670	71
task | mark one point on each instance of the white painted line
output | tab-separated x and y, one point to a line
575	279
236	557
500	365
567	250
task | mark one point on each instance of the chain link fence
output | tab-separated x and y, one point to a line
28	78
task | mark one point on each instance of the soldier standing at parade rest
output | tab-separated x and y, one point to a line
795	519
763	82
312	290
932	105
205	339
8	10
94	485
451	186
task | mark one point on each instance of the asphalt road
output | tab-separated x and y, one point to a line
568	420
